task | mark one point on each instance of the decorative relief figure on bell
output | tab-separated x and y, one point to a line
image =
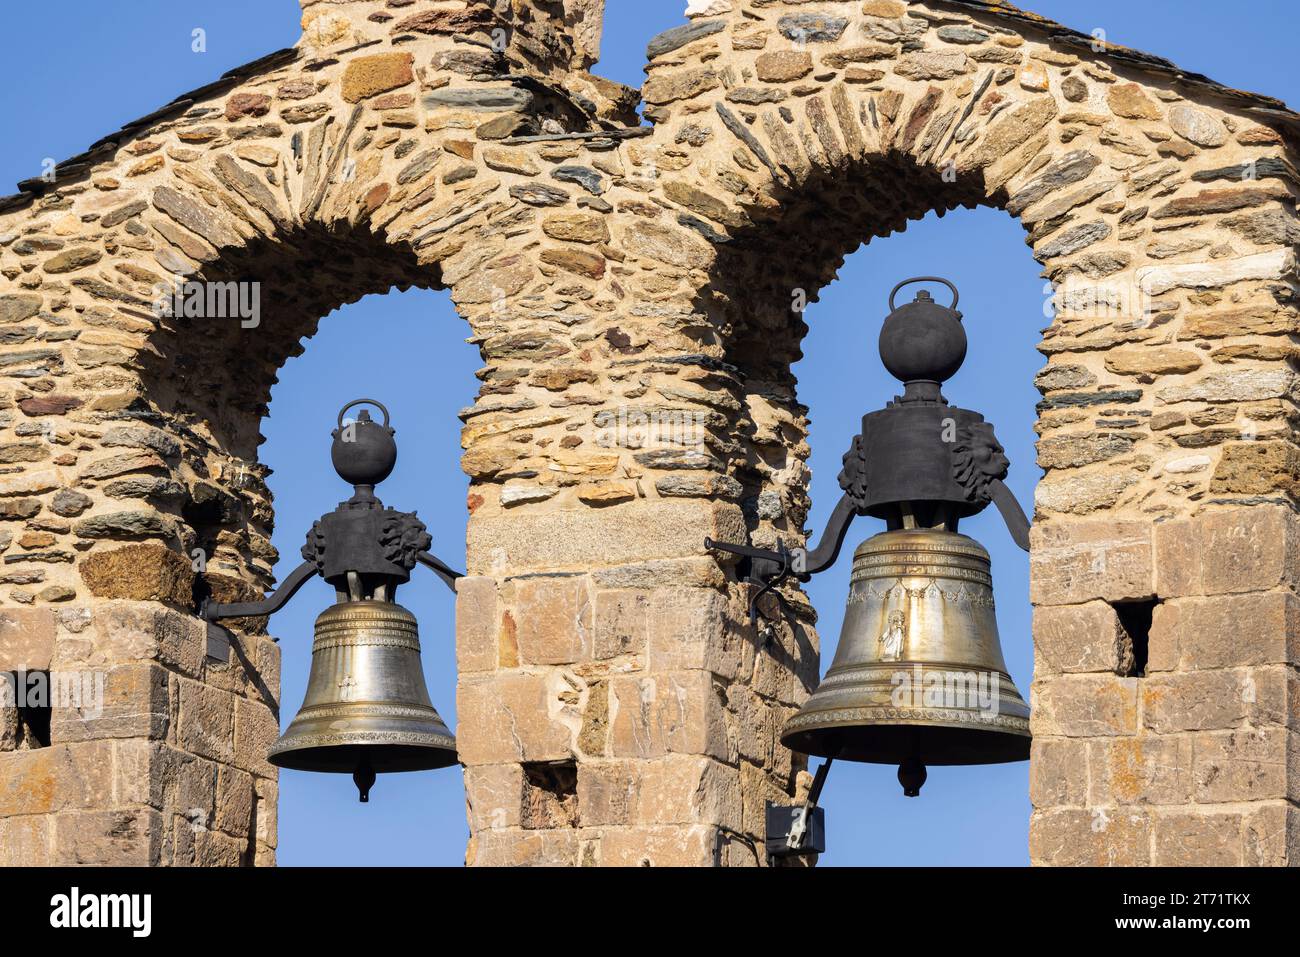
891	640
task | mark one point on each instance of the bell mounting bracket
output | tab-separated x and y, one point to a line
361	548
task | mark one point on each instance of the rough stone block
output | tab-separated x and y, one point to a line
136	704
1201	701
1271	835
1145	769
519	848
1058	772
695	845
108	838
25	841
685	789
553	620
142	572
1093	837
1245	765
234	804
634	532
1084	706
1233	550
622	623
494	794
608	792
62	777
677	712
206	722
1084	638
690	629
26	638
367	76
478	617
1197	839
1226	631
513	717
256	728
1079	561
123	632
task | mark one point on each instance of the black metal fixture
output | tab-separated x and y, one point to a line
367	709
918	677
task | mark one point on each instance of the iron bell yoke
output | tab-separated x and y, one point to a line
918	677
367	709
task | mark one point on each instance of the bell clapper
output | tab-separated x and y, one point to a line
912	775
364	778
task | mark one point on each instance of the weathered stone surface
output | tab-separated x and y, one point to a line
26	639
576	227
125	525
72	260
614	706
1197	126
933	65
812	27
1129	100
1074	239
487	99
1081	638
194	217
1153	360
368	76
783	66
678	37
679	85
143	572
246	105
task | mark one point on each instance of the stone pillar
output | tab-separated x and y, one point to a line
1190	757
161	761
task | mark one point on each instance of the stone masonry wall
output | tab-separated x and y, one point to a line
614	705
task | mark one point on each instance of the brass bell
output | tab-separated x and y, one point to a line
918	678
367	709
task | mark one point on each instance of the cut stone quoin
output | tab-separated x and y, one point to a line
615	276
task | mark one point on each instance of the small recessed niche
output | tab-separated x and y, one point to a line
1135	620
550	795
25	723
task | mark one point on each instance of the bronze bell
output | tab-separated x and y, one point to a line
918	677
367	709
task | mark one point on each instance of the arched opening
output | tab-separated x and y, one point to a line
965	815
405	350
808	378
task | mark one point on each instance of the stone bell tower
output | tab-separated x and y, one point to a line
629	289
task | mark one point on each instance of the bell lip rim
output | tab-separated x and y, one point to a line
788	740
322	749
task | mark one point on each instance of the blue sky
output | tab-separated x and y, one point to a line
78	69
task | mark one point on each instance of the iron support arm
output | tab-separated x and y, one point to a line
212	611
440	568
1012	513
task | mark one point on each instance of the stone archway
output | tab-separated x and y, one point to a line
614	706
